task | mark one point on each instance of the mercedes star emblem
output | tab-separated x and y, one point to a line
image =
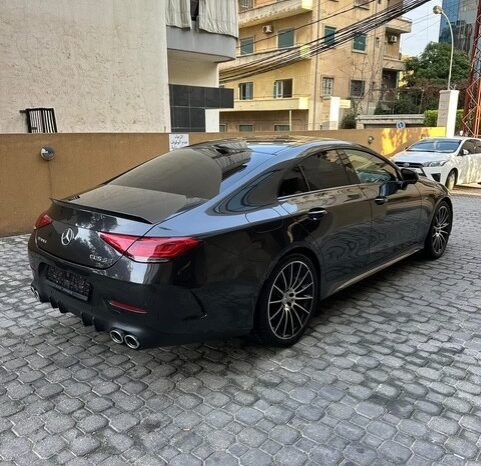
67	236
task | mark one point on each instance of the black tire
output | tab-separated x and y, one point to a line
287	301
451	180
439	231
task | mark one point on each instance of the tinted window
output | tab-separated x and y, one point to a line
293	182
200	172
469	146
435	145
324	170
320	171
369	168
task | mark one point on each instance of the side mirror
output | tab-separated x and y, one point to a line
409	176
464	152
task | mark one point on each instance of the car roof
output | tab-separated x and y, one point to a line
269	145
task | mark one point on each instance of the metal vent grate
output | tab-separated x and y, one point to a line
40	120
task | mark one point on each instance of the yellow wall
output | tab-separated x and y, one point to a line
82	161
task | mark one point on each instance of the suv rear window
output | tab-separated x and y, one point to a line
201	172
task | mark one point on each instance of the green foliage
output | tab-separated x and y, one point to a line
348	121
431	119
432	66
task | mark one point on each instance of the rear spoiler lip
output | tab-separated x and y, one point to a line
83	208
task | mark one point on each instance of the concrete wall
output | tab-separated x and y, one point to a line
82	161
101	64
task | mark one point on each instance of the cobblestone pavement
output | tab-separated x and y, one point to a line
388	373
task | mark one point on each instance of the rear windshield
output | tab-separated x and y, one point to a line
193	172
436	145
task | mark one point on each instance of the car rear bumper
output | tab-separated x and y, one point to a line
174	313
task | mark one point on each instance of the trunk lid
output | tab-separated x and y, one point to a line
74	234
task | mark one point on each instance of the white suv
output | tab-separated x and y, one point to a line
450	161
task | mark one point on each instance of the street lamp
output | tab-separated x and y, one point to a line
438	10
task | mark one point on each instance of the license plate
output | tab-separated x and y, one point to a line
69	283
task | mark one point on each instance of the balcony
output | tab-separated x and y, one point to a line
302	50
273	11
390	63
262	105
399	26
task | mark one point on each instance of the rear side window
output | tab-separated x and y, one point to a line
323	170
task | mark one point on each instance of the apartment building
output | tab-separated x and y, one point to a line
114	66
317	91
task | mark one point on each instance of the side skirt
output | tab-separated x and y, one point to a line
376	269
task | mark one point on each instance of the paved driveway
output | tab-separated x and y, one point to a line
388	373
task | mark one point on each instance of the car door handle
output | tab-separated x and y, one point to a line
316	213
380	200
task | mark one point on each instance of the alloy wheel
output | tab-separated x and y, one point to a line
441	229
291	299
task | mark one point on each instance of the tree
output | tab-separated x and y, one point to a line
432	67
425	76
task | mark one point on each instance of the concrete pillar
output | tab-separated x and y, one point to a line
448	105
211	120
334	111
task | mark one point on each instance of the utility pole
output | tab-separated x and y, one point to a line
472	102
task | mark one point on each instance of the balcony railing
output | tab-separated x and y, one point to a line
390	63
271	104
399	25
272	11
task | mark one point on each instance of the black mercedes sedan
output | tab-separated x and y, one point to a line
232	237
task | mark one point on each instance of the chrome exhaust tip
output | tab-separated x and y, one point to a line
35	293
117	336
132	341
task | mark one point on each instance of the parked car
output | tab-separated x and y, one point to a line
230	237
449	161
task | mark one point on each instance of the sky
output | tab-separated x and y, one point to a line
425	29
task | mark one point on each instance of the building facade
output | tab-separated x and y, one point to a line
462	16
114	66
314	92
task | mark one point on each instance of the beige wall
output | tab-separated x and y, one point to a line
82	161
101	64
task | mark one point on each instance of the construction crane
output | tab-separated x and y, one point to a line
472	102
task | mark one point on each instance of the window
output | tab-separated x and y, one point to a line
327	86
245	5
283	88
246	91
40	120
357	88
469	146
293	182
320	171
247	45
223	128
285	39
281	128
329	35
246	127
359	43
369	168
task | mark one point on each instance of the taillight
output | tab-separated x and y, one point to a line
150	249
42	221
127	307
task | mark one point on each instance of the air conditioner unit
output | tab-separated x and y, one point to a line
267	29
392	39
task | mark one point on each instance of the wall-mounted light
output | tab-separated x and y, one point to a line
370	139
47	153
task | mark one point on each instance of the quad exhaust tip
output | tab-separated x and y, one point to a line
132	341
117	336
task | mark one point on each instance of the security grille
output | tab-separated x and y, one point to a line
40	120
